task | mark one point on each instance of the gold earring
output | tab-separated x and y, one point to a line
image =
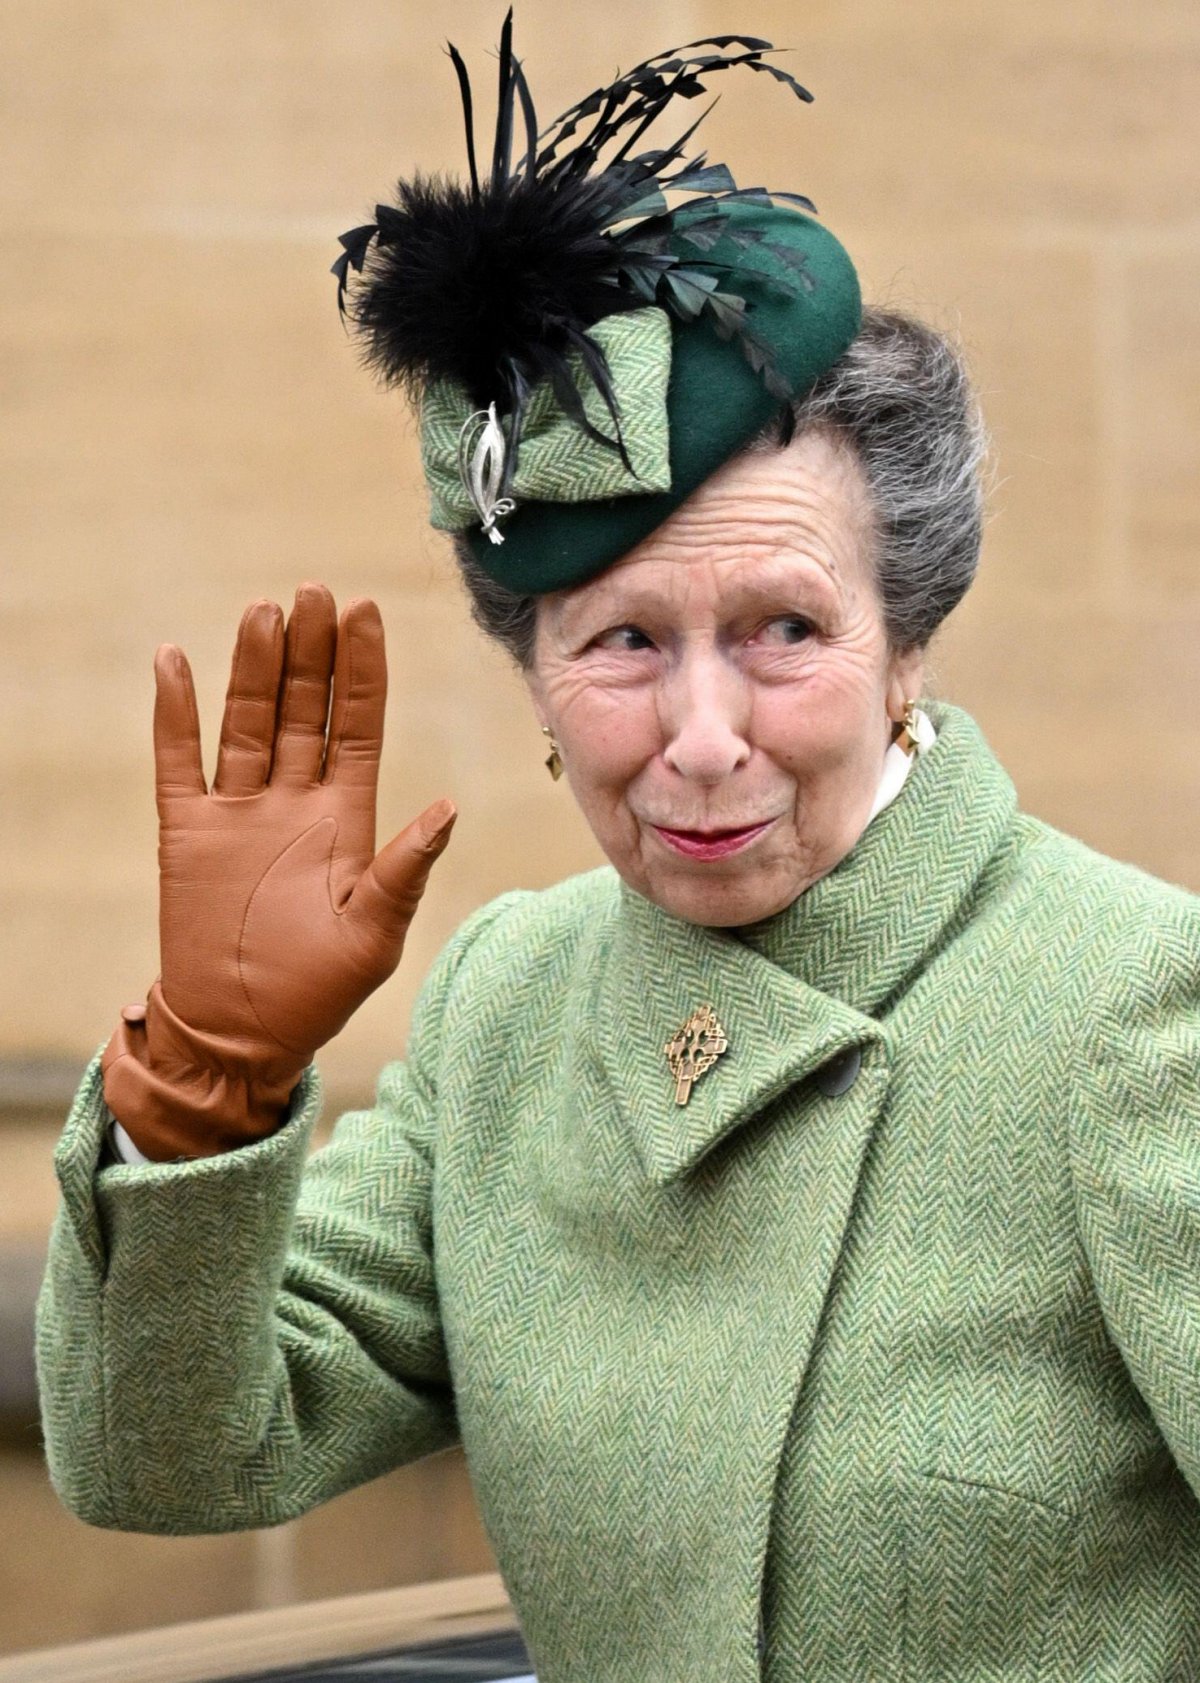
554	763
907	739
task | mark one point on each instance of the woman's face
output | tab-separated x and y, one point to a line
723	696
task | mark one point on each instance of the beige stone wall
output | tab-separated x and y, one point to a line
183	428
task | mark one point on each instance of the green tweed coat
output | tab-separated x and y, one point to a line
879	1360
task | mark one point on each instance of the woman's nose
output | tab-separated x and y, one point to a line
704	716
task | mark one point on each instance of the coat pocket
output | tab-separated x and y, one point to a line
983	1578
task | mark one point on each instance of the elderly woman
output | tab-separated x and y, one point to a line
796	1220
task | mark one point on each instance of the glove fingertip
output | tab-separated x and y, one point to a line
437	821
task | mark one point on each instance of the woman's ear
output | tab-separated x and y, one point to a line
906	676
536	696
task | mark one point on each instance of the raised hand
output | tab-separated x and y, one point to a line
276	916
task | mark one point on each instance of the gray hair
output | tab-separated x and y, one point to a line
901	398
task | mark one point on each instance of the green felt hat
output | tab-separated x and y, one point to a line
714	403
582	354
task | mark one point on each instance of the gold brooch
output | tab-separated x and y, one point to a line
695	1048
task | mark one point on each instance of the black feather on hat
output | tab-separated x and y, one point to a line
495	284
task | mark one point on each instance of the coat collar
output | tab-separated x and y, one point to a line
798	989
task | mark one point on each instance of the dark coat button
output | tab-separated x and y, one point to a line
840	1073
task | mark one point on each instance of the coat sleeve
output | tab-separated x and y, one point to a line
225	1343
1135	1161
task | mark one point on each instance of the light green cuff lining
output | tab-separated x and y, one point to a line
557	461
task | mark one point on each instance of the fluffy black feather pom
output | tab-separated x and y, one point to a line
494	283
491	290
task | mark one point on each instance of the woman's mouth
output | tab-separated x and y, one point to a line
710	844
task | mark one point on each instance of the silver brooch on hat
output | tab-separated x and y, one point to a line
482	454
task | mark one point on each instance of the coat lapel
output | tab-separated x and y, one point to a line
779	1032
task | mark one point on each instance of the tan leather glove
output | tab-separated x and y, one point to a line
276	916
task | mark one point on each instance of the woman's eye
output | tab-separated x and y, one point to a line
627	638
788	629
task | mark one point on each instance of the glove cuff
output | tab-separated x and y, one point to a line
180	1094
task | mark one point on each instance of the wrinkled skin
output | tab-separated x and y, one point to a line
732	669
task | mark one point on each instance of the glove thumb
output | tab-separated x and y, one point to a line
390	889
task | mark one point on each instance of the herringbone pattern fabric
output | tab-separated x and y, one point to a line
557	461
909	1369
